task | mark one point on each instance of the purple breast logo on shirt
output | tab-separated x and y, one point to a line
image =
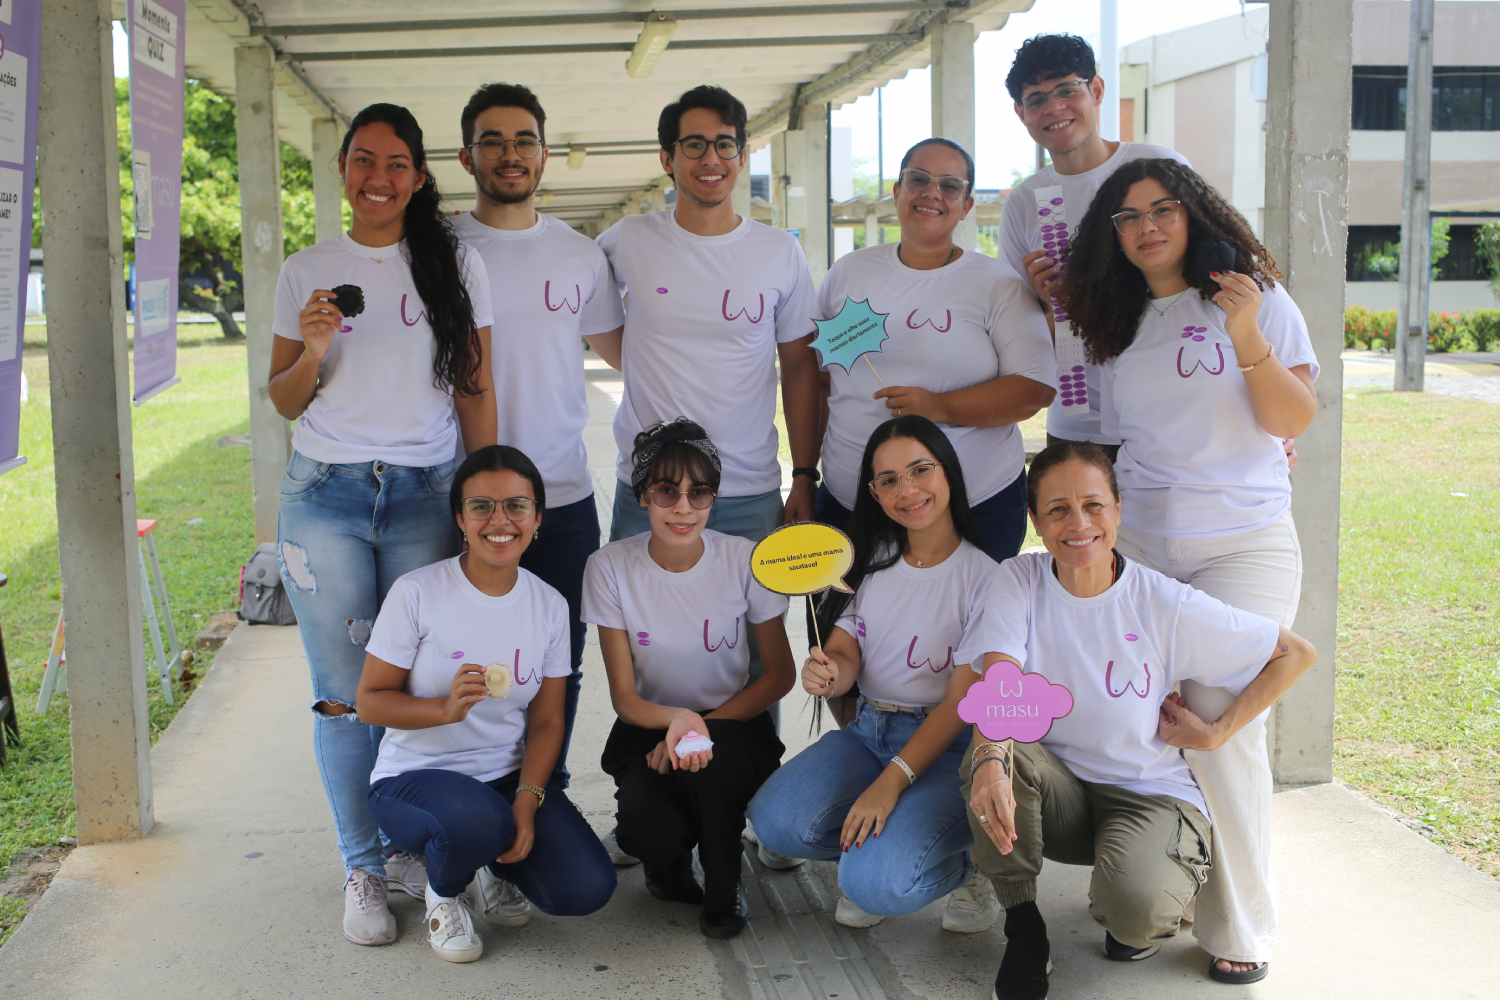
911	323
572	306
724	640
421	315
1199	351
532	677
744	310
927	662
1130	674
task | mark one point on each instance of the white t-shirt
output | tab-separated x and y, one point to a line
968	322
1020	234
1120	654
705	315
432	622
689	632
909	621
375	399
1196	463
553	287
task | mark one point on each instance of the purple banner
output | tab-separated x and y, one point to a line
20	82
156	95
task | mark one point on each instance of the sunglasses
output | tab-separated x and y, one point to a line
663	495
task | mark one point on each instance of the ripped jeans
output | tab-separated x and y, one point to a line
345	533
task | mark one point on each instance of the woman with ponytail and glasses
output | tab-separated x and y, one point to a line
381	356
1206	368
881	796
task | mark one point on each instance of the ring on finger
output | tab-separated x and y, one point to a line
984	819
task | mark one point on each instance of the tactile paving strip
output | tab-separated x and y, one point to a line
792	949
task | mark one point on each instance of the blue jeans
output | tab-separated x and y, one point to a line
459	824
749	517
569	535
923	852
1001	519
345	533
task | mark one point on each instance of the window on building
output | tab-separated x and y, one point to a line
1374	254
1464	98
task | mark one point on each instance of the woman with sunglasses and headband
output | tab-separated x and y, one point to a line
1203	374
968	348
466	668
675	607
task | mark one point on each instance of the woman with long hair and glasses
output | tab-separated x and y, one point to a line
1205	371
381	356
466	668
966	347
675	606
881	796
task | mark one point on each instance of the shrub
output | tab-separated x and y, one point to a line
1356	327
1484	328
1445	332
1383	329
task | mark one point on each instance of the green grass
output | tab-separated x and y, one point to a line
181	474
1418	710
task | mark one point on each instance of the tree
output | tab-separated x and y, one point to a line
1488	240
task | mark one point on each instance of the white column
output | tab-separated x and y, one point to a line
805	154
328	187
260	242
1307	182
872	229
1109	68
741	195
1416	196
953	100
91	437
779	181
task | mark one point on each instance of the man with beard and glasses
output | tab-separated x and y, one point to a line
555	290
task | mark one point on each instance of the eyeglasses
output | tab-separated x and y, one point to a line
695	146
1163	215
701	497
514	508
915	181
1064	92
888	485
493	147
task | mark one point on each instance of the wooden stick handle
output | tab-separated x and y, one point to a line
874	372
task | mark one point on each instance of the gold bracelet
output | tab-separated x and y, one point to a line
540	793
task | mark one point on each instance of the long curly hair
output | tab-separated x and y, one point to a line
1105	295
433	252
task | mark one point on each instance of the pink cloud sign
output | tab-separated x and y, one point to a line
1010	705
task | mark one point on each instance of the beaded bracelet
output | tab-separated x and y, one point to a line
1245	368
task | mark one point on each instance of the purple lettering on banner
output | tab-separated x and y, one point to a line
157	52
20	82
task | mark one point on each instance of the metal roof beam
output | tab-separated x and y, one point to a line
601	17
486	51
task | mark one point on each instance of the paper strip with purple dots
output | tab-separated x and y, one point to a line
1052	223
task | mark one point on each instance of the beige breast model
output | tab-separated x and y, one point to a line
497	680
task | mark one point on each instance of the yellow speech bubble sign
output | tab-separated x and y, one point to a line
803	558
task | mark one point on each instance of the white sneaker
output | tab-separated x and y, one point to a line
497	901
367	918
407	872
771	859
450	928
616	856
972	907
850	915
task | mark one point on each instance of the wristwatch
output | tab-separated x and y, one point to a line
807	470
540	793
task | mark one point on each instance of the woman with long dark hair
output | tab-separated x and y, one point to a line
381	356
1206	368
882	795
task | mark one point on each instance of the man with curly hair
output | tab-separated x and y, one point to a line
1057	91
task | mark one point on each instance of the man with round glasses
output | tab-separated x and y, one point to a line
1057	93
555	290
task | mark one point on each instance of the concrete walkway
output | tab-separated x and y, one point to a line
236	892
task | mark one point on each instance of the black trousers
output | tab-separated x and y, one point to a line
660	817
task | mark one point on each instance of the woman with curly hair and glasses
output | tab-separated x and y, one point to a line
1205	371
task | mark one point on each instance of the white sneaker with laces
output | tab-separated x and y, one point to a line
972	907
367	918
850	915
450	928
616	856
497	901
774	860
407	872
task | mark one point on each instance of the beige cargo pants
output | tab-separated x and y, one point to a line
1150	853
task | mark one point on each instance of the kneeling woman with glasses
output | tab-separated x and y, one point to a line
881	796
675	607
466	668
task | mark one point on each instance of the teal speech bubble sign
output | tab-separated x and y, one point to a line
857	330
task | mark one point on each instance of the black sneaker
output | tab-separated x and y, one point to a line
726	923
1117	952
674	883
